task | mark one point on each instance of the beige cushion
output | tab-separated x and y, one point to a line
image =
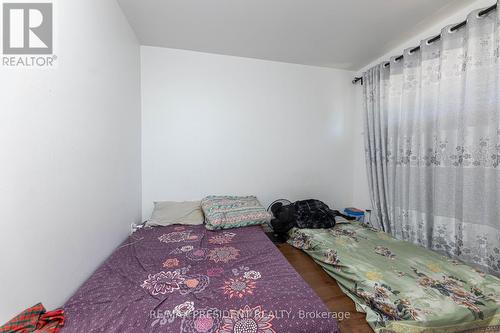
169	212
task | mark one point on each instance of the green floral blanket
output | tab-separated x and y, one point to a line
402	287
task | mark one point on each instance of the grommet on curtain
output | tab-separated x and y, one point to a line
410	51
395	59
431	40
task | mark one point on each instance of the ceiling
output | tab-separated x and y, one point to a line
346	34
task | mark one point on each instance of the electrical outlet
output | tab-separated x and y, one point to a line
134	227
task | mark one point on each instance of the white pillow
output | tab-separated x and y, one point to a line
170	212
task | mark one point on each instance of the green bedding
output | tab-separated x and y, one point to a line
402	287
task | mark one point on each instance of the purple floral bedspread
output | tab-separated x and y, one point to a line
187	279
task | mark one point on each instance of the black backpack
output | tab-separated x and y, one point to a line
310	214
284	217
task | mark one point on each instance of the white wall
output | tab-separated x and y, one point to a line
216	124
361	194
69	157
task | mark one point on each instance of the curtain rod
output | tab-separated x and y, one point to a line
433	39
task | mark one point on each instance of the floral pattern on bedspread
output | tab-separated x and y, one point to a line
402	287
187	279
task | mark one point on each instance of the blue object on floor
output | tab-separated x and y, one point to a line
355	212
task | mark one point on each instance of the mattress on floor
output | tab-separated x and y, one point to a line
188	279
402	287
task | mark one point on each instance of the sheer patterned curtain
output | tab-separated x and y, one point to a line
432	139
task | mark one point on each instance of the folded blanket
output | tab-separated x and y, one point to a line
35	319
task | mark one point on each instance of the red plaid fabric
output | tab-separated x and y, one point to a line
36	320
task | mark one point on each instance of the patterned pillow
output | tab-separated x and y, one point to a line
225	212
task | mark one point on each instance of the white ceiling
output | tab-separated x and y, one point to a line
345	34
